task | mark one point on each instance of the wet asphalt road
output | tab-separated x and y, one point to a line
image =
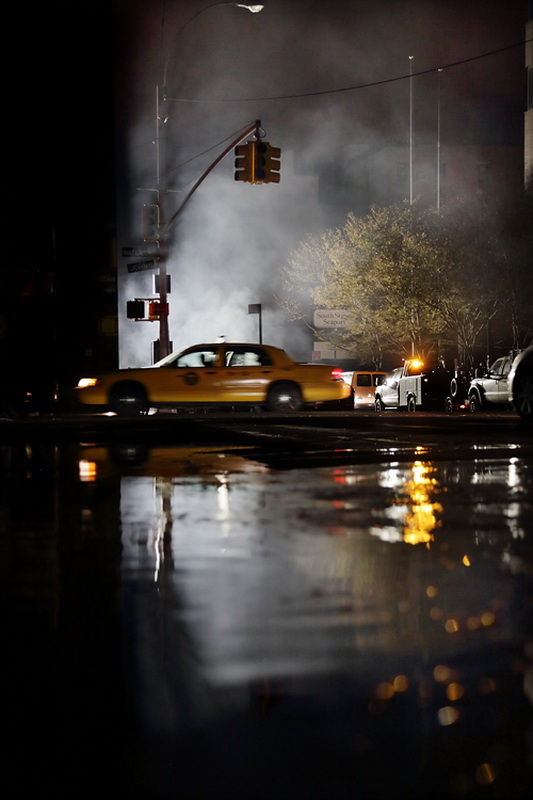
248	606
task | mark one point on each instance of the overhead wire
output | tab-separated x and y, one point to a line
332	91
321	92
207	150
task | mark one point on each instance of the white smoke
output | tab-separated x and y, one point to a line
231	239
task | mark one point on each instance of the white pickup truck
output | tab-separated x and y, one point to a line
419	388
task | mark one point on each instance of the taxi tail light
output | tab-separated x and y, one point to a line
336	374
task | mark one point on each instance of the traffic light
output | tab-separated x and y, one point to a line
135	309
267	164
151	223
245	162
273	164
157	310
261	161
257	162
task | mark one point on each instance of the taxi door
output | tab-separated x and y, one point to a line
247	374
192	377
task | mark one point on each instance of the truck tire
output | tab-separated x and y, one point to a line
411	404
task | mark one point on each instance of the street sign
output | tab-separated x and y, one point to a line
138	251
333	318
141	266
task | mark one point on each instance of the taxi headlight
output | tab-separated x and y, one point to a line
83	383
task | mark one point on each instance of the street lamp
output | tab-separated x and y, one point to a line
161	96
438	139
411	130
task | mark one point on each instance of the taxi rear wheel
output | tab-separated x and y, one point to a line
128	398
284	397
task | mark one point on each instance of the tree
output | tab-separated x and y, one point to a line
415	279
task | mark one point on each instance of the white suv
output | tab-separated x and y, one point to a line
387	394
492	389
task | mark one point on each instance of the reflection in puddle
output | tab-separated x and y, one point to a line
414	513
337	624
258	560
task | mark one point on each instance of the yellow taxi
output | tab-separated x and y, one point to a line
223	374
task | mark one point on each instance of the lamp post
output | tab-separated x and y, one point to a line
411	130
438	139
160	189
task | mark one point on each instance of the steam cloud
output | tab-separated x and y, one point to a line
231	239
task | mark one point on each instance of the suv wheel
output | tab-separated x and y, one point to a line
379	405
474	403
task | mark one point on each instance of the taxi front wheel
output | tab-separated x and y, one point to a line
128	398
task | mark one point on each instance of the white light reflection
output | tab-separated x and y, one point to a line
163	523
223	514
513	476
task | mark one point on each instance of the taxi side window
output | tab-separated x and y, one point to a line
247	357
196	359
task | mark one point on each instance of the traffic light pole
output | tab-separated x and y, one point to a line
164	337
255	127
163	226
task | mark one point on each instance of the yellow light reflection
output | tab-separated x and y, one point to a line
451	626
454	691
485	774
401	683
384	691
421	520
